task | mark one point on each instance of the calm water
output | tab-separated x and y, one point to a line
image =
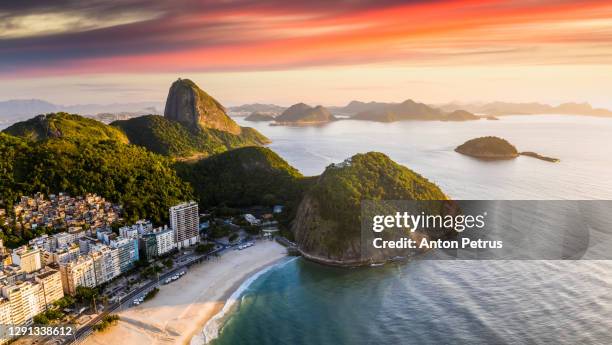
443	302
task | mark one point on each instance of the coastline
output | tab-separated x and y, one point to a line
213	326
181	309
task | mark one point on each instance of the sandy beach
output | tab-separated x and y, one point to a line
181	308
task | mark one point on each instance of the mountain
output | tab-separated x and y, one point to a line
21	109
356	107
245	109
63	125
259	117
303	114
25	107
175	139
144	183
488	148
327	226
243	177
194	124
194	108
461	115
407	110
507	108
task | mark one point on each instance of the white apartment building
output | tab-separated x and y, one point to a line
24	300
164	238
184	221
128	252
61	255
29	259
80	272
62	240
5	319
106	262
50	282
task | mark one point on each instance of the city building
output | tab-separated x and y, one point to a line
24	300
158	242
50	281
106	262
80	272
184	221
28	259
128	252
5	319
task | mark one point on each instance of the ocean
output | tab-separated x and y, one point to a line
442	301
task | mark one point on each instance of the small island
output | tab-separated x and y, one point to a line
303	114
259	117
488	148
495	148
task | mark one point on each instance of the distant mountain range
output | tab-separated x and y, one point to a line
12	111
247	109
506	108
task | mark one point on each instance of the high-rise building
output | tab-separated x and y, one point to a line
80	272
158	242
5	319
50	281
106	262
184	221
28	259
24	299
128	252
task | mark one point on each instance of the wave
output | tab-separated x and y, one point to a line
214	325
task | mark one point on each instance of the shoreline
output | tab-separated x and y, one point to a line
215	323
181	310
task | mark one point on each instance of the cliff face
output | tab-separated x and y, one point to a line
191	106
328	222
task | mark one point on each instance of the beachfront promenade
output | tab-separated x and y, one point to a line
181	308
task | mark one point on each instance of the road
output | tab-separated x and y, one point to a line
127	301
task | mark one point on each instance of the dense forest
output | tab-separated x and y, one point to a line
144	183
329	216
174	139
244	177
64	125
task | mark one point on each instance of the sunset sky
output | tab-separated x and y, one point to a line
321	52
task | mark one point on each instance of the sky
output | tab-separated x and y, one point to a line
316	51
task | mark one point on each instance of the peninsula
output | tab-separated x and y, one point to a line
495	148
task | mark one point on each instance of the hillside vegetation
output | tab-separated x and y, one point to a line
488	148
328	220
64	125
143	182
243	177
171	138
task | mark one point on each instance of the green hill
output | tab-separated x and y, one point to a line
64	125
143	182
488	148
172	138
243	177
328	222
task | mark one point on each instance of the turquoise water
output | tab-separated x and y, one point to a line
443	302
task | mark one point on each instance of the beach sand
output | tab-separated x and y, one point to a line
181	308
